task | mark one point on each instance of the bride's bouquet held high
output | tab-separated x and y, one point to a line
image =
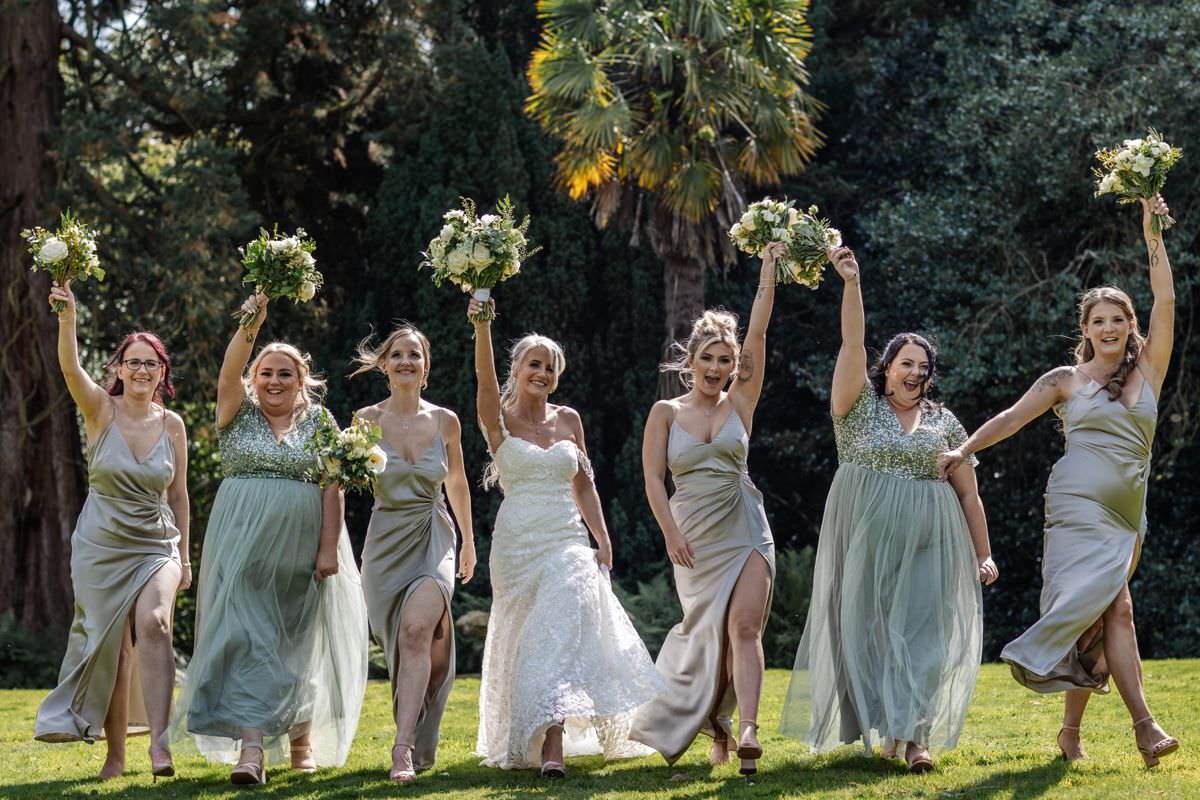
808	238
350	457
68	254
1137	169
476	252
280	266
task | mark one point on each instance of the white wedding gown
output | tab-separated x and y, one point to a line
560	648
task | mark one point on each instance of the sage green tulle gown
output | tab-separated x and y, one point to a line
892	642
410	540
720	512
1095	522
276	649
124	535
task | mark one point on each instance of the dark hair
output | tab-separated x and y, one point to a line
877	374
117	386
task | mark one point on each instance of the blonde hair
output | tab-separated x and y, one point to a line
714	326
1084	351
371	358
312	387
508	392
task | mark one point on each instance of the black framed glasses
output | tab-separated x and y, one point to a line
134	364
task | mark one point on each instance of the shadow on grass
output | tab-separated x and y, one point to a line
586	777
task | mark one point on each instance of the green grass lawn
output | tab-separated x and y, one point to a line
1007	751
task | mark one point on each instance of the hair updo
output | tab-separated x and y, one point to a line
714	326
1084	351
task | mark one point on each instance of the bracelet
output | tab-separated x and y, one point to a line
186	563
766	286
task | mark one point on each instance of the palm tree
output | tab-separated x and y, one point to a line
666	110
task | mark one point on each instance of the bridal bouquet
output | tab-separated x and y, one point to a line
350	457
806	235
280	266
477	252
68	254
1137	169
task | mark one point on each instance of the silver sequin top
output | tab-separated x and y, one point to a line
871	437
249	449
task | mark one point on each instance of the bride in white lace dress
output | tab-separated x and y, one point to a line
563	667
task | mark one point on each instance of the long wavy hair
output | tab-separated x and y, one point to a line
116	386
312	387
1084	351
370	357
877	374
714	326
508	392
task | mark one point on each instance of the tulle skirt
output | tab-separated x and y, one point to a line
275	649
894	632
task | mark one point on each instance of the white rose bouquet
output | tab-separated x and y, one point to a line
280	266
1137	169
68	254
806	235
350	457
477	252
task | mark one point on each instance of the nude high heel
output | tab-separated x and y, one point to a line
1079	755
248	773
1163	747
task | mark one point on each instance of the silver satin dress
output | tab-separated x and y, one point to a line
1095	522
125	534
411	539
720	512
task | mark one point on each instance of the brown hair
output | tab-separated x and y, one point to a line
371	358
1084	351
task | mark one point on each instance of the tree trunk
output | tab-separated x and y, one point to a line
683	300
41	486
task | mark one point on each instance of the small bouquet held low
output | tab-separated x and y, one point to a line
280	266
1137	169
68	254
808	238
477	252
350	457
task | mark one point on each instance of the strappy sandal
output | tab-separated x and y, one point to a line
402	773
1079	755
917	758
1163	747
718	752
302	758
247	773
163	768
748	751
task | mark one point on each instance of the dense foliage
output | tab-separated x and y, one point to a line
960	141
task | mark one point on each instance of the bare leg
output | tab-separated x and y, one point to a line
152	618
552	748
425	620
745	620
1125	664
1068	736
116	722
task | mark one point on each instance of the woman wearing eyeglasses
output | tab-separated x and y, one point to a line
129	552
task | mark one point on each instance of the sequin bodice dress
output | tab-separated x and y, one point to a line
893	638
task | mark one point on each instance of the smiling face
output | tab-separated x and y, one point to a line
276	383
140	383
905	377
535	374
1107	327
712	366
405	362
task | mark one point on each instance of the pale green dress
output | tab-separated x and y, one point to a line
124	535
720	513
893	639
275	648
1095	522
410	540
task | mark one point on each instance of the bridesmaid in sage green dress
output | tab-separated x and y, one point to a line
717	538
408	557
281	626
1095	502
892	643
125	552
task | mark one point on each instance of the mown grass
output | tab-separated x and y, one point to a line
1007	751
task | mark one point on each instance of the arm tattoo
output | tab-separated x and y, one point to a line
1050	379
746	366
1154	244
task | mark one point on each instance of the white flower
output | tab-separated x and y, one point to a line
1162	148
748	222
1143	165
834	237
736	230
331	465
793	217
1132	144
447	232
459	259
307	291
455	214
53	251
376	460
488	219
480	255
1108	184
306	258
513	268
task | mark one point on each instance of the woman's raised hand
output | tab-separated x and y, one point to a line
1152	207
475	308
63	294
255	306
773	252
844	262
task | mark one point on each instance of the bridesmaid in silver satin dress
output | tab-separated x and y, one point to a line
126	564
408	557
717	538
1095	502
